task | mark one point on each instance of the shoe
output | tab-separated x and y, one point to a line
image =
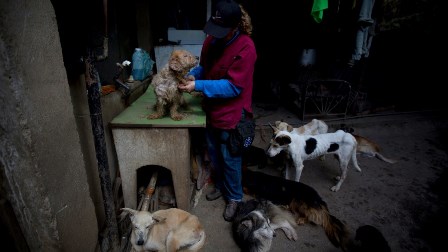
215	194
229	212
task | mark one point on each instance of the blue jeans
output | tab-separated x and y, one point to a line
226	172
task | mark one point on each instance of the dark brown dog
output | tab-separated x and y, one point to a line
303	201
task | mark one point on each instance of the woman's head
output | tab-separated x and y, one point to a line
226	18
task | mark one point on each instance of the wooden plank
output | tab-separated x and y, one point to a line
136	114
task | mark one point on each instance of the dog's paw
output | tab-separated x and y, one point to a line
154	116
177	117
290	233
334	188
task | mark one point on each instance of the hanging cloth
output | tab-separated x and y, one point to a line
317	11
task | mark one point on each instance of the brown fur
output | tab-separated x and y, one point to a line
165	84
168	230
368	148
302	200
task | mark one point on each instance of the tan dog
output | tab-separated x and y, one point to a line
168	230
165	84
312	128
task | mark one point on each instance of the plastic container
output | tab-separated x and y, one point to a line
141	64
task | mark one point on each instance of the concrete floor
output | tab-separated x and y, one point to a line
405	201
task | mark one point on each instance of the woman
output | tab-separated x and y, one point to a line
225	77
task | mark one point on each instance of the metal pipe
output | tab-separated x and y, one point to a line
110	239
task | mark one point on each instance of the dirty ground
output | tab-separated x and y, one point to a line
406	201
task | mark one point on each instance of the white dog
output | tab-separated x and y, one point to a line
170	230
306	147
312	128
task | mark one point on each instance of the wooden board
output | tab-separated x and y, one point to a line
136	114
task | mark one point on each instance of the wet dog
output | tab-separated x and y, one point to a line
255	224
165	83
170	229
306	147
303	202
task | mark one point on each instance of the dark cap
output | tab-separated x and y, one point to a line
227	16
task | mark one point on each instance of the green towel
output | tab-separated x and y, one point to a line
318	9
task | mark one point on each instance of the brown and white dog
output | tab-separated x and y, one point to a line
312	128
303	201
171	229
166	81
306	147
366	147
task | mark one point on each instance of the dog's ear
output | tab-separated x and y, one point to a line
283	140
247	224
129	210
277	123
158	219
274	128
290	128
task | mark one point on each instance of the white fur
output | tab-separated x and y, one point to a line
312	128
296	146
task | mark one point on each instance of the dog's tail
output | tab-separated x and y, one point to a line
385	159
318	213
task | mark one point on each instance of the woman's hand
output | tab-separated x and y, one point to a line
187	86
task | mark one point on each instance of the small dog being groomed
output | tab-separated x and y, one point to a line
165	83
170	229
255	223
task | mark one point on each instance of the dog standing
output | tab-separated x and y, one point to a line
303	202
255	224
365	147
306	147
312	128
165	83
169	230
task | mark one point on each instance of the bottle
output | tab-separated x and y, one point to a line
141	64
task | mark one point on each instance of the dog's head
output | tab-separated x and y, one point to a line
280	125
142	222
280	141
182	61
253	232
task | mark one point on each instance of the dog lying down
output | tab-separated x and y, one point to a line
170	230
307	147
303	202
255	224
168	97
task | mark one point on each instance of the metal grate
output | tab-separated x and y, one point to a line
326	98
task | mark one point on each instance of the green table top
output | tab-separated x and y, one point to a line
136	114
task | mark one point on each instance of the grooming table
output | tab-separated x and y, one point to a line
164	142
